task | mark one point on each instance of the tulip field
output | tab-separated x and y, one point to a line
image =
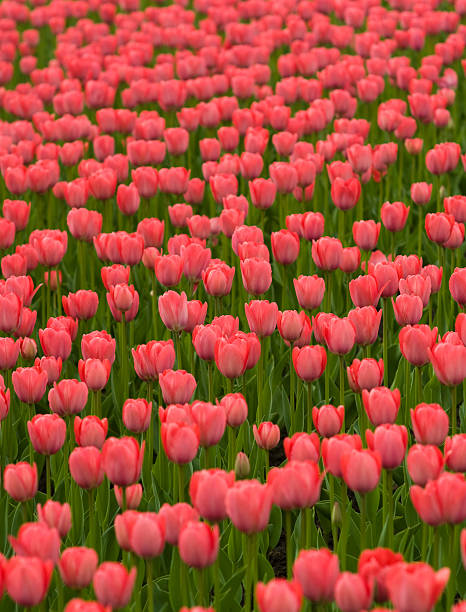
232	305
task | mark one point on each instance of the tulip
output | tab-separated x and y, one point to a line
267	435
81	305
27	580
94	372
455	452
415	341
365	374
173	310
68	397
326	253
90	431
285	246
47	433
424	462
180	441
29	384
381	404
176	517
302	447
198	544
430	424
394	216
262	317
147	535
353	592
9	352
231	356
211	421
407	309
345	193
390	441
153	358
415	587
297	485
457	286
208	489
374	565
248	505
77	566
122	460
37	540
442	500
218	279
366	234
256	275
98	345
317	572
309	362
236	409
333	448
55	515
113	584
86	467
366	322
449	362
309	291
279	594
340	335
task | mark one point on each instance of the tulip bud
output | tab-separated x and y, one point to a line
242	466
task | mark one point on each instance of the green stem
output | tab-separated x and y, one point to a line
309	407
363	511
418	389
178	350
123	355
289	553
436	559
154	305
202	587
180	482
260	384
47	477
210	371
327	381
216	571
345	510
150	586
231	447
425	528
331	481
150	432
59	310
420	223
451	587
250	568
92	518
407	389
385	341
453	410
391	510
342	386
292	406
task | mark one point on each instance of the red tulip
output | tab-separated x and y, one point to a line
198	544
353	592
94	372
207	490
326	253
29	384
173	310
430	424
256	275
442	500
297	485
309	362
415	587
455	452
267	435
20	481
248	504
365	374
77	566
415	341
340	335
47	433
407	309
390	441
394	216
137	414
176	517
180	441
27	579
122	460
147	535
285	246
361	469
279	594
345	193
81	305
37	540
302	447
366	322
113	584
86	467
67	397
449	362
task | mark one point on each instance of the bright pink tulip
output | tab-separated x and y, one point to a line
113	584
279	594
198	544
77	566
248	505
390	441
365	374
317	572
415	587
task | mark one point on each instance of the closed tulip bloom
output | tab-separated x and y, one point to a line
20	481
176	517
128	199
345	192
86	467
248	504
442	500
302	447
267	435
122	460
9	352
263	193
394	216
424	462
90	431
98	345
449	362
218	279
311	225
390	441
27	579
366	234
123	299
350	259
67	397
366	322
457	286
364	291
231	356
81	305
211	421
296	485
173	310
204	338
198	544
55	515
415	341
236	409
37	540
208	489
439	226
262	317
435	274
455	452
327	252
309	362
374	565
381	404
94	372
180	441
77	566
177	386
353	592
256	275
408	309
279	594
328	419
168	269
113	584
333	448
317	572
361	469
340	335
197	311
309	291
137	414
285	246
4	403
55	342
29	384
415	587
47	433
147	535
290	324
421	193
416	284
430	424
153	358
133	496
195	259
365	374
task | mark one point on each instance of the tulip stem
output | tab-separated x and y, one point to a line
436	559
453	410
180	482
231	448
420	223
216	571
385	341
260	376
309	407
289	555
451	588
418	388
154	305
47	477
150	585
60	597
150	432
331	493
391	510
123	356
250	568
292	406
327	381
362	516
341	226
92	517
342	386
58	292
425	527
211	380
345	510
96	404
407	387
